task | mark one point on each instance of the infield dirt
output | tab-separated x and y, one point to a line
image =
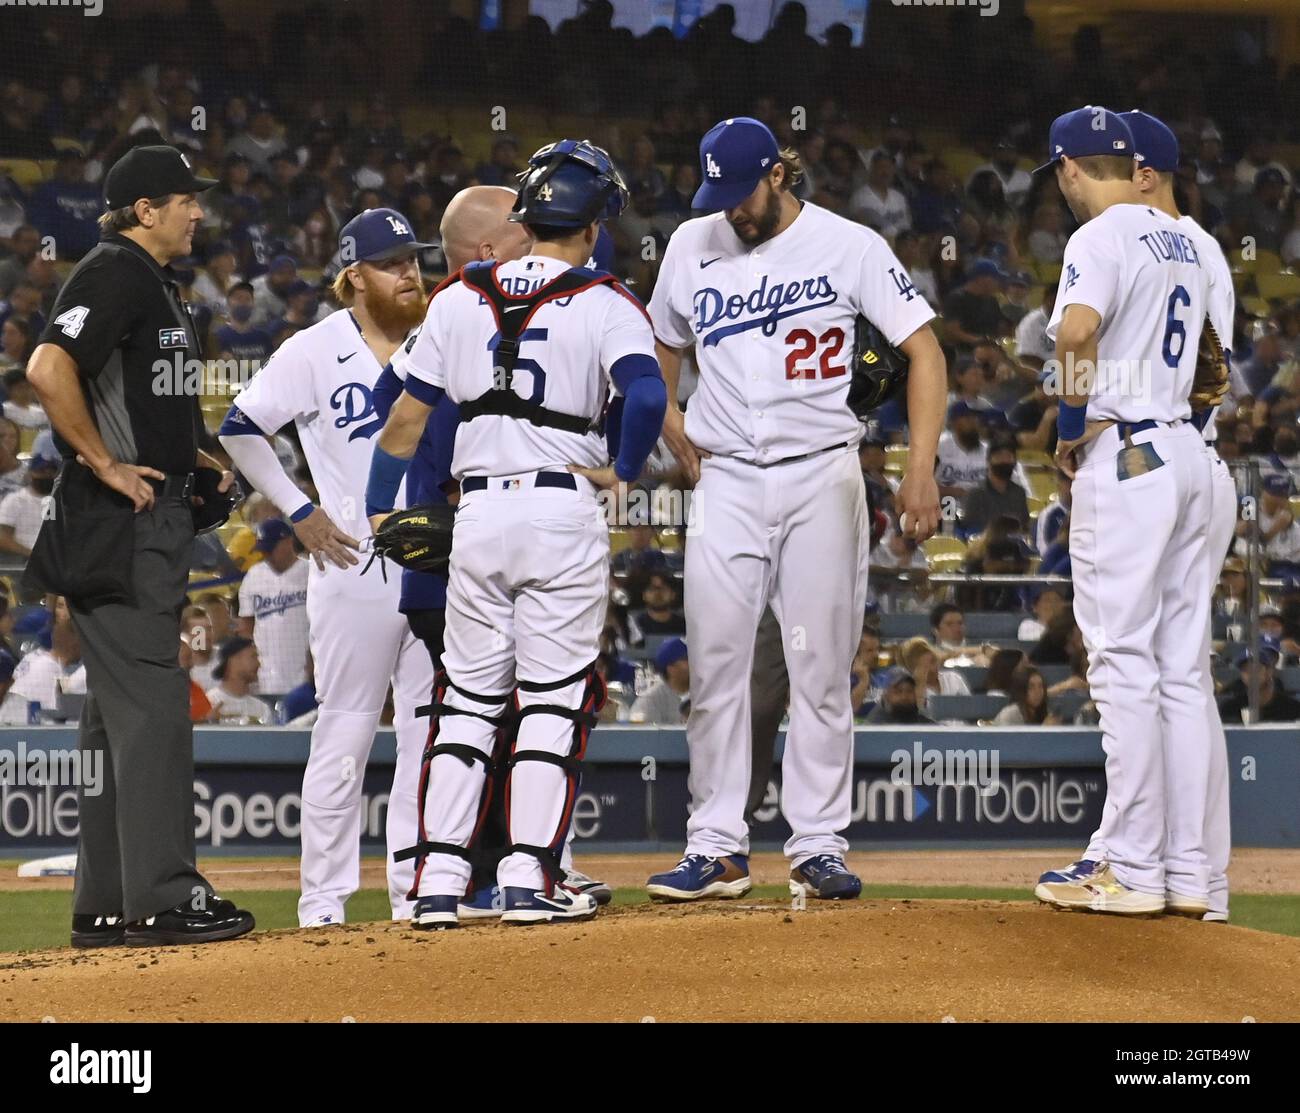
868	960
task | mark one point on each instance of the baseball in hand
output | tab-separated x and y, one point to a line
902	523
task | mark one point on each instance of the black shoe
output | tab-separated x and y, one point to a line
98	931
182	924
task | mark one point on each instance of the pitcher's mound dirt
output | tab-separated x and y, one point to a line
868	960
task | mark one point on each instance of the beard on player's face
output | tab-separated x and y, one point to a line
399	305
755	225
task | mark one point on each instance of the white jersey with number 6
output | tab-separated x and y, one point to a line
1147	280
772	327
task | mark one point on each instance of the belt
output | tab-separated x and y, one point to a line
560	479
174	486
801	456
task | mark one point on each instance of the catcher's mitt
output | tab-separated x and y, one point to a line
879	369
1210	383
209	507
418	538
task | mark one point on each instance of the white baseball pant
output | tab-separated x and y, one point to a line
1141	569
359	642
794	535
526	600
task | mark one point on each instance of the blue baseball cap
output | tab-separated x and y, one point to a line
1090	130
962	409
270	533
1269	653
982	268
672	651
1154	146
735	156
375	236
891	676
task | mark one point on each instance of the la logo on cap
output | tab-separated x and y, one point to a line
398	227
711	167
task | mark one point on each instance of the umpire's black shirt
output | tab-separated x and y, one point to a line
121	318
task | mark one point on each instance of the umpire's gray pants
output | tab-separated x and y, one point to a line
135	855
769	693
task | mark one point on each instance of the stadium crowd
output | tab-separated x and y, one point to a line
982	241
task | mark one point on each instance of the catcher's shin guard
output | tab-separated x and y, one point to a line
465	753
584	717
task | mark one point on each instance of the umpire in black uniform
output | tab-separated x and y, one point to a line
118	541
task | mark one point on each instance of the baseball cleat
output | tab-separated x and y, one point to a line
1073	872
578	882
826	877
327	920
697	876
525	906
1100	891
435	913
1215	918
1179	904
97	931
487	903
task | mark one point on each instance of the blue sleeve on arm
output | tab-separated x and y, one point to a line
386	474
643	420
629	368
387	387
236	423
422	391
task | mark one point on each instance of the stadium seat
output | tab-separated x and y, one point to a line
966	709
1290	678
974	675
1254	305
1036	458
1048	272
1283	284
896	627
1042	484
895	459
940	546
992	624
1240	264
1054	674
26	172
1066	704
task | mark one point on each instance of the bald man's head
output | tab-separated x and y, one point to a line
474	227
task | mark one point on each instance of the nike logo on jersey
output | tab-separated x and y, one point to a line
768	303
709	262
344	359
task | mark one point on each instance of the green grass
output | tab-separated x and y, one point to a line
36	920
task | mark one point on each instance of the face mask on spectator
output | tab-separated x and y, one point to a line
241	313
1003	471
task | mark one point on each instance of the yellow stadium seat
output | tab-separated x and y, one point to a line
1042	483
1240	264
26	172
1035	458
1267	262
895	458
67	143
618	540
962	161
943	546
946	562
1254	305
1047	272
1285	284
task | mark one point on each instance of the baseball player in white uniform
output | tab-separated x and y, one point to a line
1135	290
767	291
322	379
1197	795
527	349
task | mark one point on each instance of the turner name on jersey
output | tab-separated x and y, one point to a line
773	325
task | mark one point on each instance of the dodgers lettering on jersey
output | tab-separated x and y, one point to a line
564	359
1151	287
772	328
321	379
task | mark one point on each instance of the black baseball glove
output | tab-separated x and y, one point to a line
879	369
209	507
418	538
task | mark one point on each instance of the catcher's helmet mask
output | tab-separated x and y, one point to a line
569	200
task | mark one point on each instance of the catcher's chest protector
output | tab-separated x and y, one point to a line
513	312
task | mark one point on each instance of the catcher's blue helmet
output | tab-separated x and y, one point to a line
568	185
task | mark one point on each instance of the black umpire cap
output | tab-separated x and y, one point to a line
151	172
